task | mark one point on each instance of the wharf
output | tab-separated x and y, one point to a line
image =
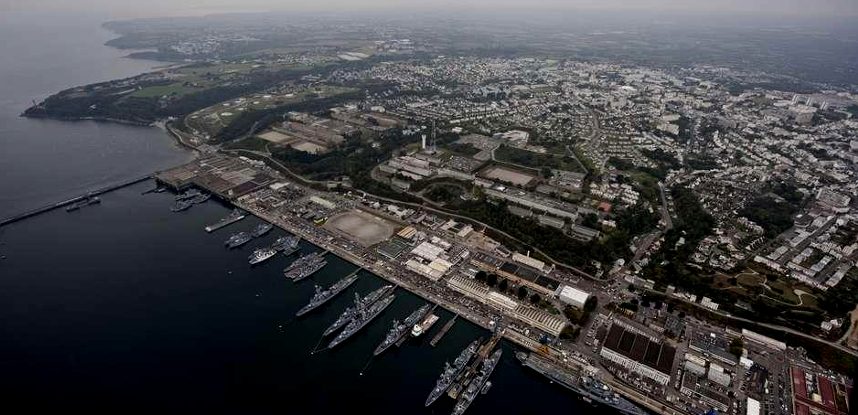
444	330
44	209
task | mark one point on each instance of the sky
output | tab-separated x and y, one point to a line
157	8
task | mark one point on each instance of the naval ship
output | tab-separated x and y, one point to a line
400	329
190	194
323	295
305	266
365	314
588	388
238	239
451	372
287	244
261	229
234	216
349	313
260	255
477	384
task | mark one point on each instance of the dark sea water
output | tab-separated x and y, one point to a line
42	161
125	307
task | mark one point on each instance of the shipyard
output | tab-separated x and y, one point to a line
500	208
436	258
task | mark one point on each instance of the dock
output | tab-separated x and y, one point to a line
67	202
444	330
482	353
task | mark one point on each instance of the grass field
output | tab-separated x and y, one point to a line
176	88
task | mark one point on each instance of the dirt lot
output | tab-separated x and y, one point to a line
362	227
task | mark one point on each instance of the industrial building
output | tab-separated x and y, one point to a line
638	353
572	296
535	317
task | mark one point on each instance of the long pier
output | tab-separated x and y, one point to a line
444	330
64	203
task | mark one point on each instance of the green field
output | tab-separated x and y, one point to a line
176	88
536	160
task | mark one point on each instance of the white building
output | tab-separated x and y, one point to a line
572	296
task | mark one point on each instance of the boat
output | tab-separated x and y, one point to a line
190	194
424	325
201	198
234	216
588	388
348	314
486	388
322	296
261	229
400	329
365	314
181	205
477	384
238	239
72	207
291	251
286	243
261	255
451	372
93	201
305	266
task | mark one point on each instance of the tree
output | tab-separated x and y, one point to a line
481	276
569	332
591	220
535	298
522	292
503	285
492	280
736	346
546	172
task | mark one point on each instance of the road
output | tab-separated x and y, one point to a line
665	212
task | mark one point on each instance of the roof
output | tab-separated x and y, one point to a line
640	349
753	407
573	294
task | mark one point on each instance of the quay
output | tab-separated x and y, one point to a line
444	330
44	209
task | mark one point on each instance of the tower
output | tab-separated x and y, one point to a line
434	148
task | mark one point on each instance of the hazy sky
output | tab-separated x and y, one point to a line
142	8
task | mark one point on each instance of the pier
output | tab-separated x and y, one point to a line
44	209
444	330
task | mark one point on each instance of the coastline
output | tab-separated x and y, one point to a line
96	119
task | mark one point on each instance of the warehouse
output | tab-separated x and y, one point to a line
638	353
572	296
